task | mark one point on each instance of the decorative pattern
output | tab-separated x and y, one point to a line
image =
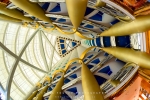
66	45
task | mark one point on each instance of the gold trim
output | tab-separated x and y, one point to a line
85	52
57	71
70	62
82	36
66	33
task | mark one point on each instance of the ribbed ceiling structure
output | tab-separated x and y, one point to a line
40	53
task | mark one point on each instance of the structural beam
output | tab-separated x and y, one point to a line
128	55
42	51
5	17
31	8
12	72
140	24
76	10
13	13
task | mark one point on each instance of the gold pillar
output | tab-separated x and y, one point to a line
13	13
4	17
128	55
76	11
91	89
99	3
32	95
31	8
140	24
57	91
40	95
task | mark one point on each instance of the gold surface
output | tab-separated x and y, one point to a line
76	11
39	85
82	36
90	86
48	29
5	17
32	95
40	95
128	55
70	62
140	24
66	33
99	3
47	78
86	51
57	91
31	8
56	72
123	19
13	13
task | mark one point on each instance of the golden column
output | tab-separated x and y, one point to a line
91	89
13	13
5	17
40	95
57	91
32	95
128	55
76	10
140	24
31	8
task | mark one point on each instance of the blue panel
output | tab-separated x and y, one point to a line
53	85
100	80
74	67
68	71
66	81
90	56
98	42
106	70
62	20
74	90
96	17
96	61
120	61
93	43
74	44
106	41
65	96
89	26
88	11
90	66
122	41
101	29
49	89
114	22
84	31
45	6
82	24
94	49
64	51
73	76
61	41
62	46
56	9
53	19
64	26
58	77
106	54
85	60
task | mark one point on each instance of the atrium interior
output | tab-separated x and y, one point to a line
74	49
